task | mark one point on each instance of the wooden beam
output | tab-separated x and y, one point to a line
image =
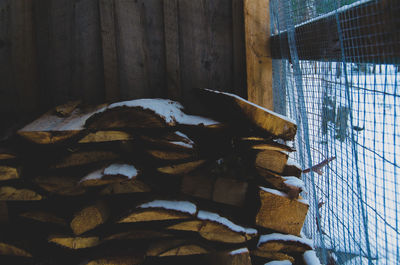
259	62
369	31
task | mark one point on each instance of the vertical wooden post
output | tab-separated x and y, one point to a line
258	55
171	31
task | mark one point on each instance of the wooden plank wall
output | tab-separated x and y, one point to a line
52	51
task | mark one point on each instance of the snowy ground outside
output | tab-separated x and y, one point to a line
358	194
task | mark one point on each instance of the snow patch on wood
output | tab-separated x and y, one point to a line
310	258
279	262
283	237
204	215
181	206
253	104
282	194
238	251
121	169
98	174
294	182
170	111
183	144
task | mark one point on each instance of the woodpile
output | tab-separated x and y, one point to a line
142	182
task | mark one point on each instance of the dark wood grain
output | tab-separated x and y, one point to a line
171	31
110	59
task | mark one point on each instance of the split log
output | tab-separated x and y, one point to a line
8	173
81	158
75	242
66	109
105	136
271	255
44	217
51	128
177	247
198	184
221	190
90	217
160	210
169	155
235	257
292	169
120	260
113	173
271	160
60	185
138	234
272	146
8	193
6	154
212	226
171	141
180	169
290	185
280	213
230	191
131	186
234	106
144	113
284	243
11	250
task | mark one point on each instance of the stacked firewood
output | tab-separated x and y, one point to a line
142	182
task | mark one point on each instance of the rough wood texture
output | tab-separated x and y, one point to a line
286	246
280	213
222	190
109	45
121	260
8	193
213	231
51	128
7	173
126	187
165	248
44	217
271	255
271	160
258	55
10	250
90	217
169	155
105	136
181	169
171	31
53	51
139	234
235	106
81	158
61	185
75	242
153	214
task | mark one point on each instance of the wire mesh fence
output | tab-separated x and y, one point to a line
347	115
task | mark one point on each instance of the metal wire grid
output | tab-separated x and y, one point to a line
347	110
